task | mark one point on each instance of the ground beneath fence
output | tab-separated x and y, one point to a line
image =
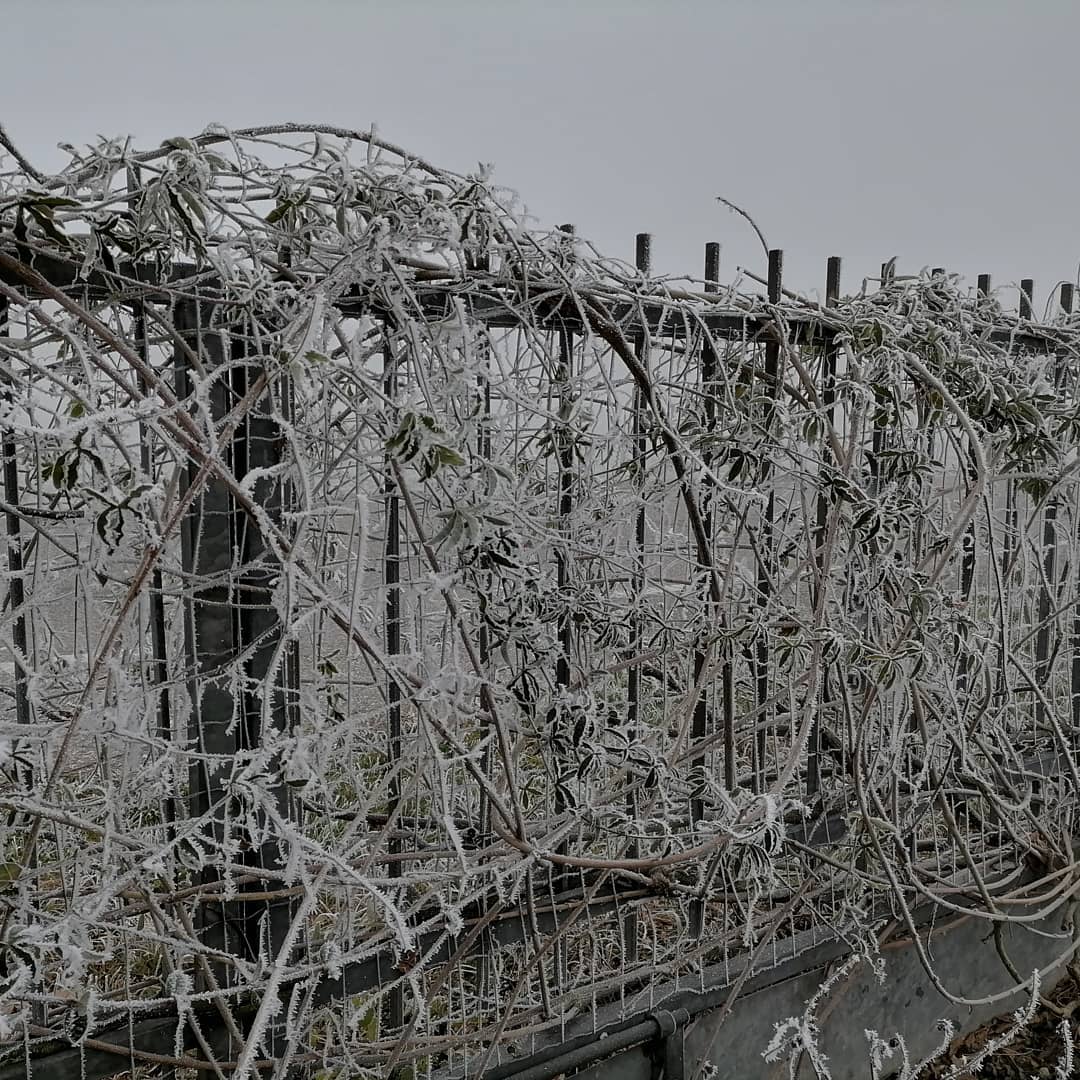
1035	1052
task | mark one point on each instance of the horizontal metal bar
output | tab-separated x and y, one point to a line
55	1060
496	307
156	1035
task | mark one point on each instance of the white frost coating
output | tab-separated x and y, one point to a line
570	699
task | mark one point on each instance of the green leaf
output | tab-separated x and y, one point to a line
279	211
52	202
865	519
48	226
197	207
920	607
842	488
447	456
186	221
397	442
369	1025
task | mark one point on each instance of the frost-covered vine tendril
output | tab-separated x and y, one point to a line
332	638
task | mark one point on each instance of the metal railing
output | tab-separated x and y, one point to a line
423	632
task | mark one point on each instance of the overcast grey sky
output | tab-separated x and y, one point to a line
942	132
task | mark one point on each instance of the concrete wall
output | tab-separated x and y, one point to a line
907	1004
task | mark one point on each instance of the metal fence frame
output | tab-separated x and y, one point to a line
222	625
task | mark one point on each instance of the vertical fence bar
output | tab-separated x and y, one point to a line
1046	606
558	880
765	537
16	592
828	404
700	723
209	631
486	972
967	557
967	579
727	667
1049	542
16	596
231	623
158	643
643	262
1001	683
483	449
1027	297
1066	300
727	663
392	640
263	638
564	388
878	438
158	636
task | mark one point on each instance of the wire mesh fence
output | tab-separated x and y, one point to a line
421	631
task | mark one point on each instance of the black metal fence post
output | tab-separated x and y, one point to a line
713	618
159	658
1047	590
1002	680
643	262
828	405
878	439
392	635
158	634
967	573
16	592
234	635
765	567
1027	297
565	456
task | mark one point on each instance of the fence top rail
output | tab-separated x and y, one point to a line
353	639
675	314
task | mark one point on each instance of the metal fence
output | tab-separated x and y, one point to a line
423	633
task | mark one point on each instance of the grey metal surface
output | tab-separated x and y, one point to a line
230	613
906	1004
231	578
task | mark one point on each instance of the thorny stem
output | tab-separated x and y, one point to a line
309	250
